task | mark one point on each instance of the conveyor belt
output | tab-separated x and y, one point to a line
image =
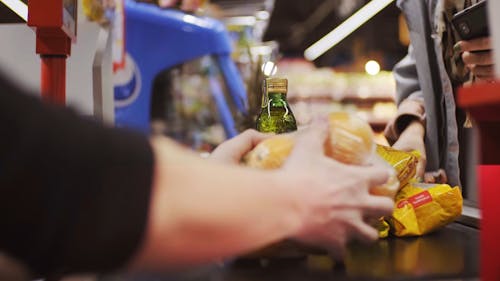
451	253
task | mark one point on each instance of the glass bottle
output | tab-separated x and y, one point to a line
275	115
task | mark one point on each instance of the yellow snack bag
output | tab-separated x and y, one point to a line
382	227
422	208
405	163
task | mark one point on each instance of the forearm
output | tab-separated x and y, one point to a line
196	217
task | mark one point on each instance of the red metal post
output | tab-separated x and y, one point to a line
483	103
55	26
53	78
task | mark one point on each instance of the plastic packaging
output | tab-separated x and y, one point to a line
422	208
405	163
350	139
270	153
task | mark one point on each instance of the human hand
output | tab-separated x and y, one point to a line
231	151
438	176
412	138
186	5
478	57
334	198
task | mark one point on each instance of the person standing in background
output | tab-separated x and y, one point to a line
427	79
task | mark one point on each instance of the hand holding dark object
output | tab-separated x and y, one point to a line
477	55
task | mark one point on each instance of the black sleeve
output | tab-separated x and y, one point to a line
74	195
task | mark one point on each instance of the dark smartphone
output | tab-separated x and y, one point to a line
472	22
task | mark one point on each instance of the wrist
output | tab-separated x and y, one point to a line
415	128
290	191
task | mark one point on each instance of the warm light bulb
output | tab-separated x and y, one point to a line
372	67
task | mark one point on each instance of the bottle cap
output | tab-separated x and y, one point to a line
277	85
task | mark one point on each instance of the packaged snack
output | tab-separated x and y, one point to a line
405	163
422	208
382	227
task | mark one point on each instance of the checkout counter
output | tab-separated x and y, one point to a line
451	253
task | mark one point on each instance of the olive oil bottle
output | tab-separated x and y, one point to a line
275	115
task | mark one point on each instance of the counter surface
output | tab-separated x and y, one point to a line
451	253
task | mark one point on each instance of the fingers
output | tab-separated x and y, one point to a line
310	141
250	138
364	232
478	58
438	176
167	3
375	175
378	206
478	44
190	5
186	5
234	149
483	72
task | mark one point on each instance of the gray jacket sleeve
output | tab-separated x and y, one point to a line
409	97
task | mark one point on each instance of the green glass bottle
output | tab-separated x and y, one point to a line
275	115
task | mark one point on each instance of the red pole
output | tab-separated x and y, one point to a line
53	82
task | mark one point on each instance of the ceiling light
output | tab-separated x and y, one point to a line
18	7
345	28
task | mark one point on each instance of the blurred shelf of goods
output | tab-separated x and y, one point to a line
312	90
246	22
317	91
185	103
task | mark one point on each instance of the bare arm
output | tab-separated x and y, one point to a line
203	210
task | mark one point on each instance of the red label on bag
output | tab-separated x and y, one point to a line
417	200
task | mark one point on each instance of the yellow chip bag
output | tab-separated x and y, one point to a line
405	163
422	208
382	227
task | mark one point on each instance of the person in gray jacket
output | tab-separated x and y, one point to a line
437	64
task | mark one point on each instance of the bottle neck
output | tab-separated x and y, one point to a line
277	99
